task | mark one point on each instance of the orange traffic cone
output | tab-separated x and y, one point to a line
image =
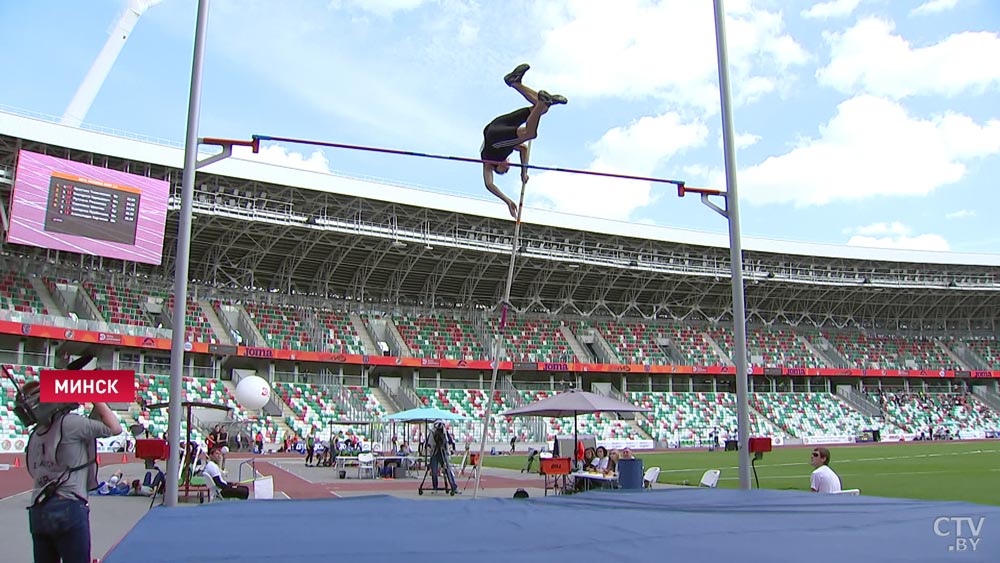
124	458
98	459
17	461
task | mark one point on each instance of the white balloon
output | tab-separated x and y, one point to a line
252	392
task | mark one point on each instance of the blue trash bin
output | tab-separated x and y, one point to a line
630	473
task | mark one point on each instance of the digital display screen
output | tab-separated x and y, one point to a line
76	207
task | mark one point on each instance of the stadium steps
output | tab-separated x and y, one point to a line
577	347
387	403
218	328
366	338
988	397
43	294
951	355
392	332
717	349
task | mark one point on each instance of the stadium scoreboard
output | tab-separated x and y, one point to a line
93	209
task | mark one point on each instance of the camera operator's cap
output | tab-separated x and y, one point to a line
85	362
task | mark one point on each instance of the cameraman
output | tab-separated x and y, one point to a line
439	457
61	459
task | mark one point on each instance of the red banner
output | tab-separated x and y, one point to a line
86	386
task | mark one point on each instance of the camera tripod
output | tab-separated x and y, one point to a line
439	460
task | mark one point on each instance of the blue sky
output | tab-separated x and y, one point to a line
863	122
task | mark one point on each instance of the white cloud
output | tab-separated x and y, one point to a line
280	156
633	49
744	140
896	235
960	214
872	147
386	8
933	7
831	9
869	58
636	149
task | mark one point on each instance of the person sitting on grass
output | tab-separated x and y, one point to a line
823	479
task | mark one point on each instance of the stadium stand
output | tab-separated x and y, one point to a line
869	351
685	419
987	349
934	413
340	334
534	340
769	347
314	407
280	326
438	336
196	325
635	343
121	305
16	294
814	414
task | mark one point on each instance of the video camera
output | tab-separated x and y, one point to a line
28	406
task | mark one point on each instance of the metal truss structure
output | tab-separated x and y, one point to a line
302	246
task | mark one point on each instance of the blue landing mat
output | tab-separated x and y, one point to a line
697	525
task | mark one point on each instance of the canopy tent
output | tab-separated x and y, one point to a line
424	414
572	403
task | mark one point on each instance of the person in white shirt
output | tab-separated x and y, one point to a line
823	479
212	471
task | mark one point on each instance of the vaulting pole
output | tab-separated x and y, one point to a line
498	343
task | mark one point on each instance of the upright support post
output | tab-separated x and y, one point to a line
183	256
735	251
498	342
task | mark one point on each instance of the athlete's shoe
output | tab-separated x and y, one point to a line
551	99
515	76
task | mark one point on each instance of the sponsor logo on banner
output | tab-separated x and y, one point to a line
622	368
109	338
430	362
525	366
148	342
86	386
982	373
25	329
556	366
796	371
259	352
462	363
772	371
340	358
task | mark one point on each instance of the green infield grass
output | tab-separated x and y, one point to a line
966	471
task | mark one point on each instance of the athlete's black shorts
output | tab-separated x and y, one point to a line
500	135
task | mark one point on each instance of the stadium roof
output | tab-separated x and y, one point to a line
311	236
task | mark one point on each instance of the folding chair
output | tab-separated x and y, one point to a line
710	478
366	462
652	474
849	492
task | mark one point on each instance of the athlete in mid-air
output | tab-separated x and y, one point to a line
512	131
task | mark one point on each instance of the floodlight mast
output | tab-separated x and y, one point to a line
84	97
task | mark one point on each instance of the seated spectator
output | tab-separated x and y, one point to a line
627	454
588	458
212	471
600	461
823	479
613	458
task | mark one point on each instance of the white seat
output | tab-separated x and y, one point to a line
213	490
366	462
652	474
848	492
710	478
